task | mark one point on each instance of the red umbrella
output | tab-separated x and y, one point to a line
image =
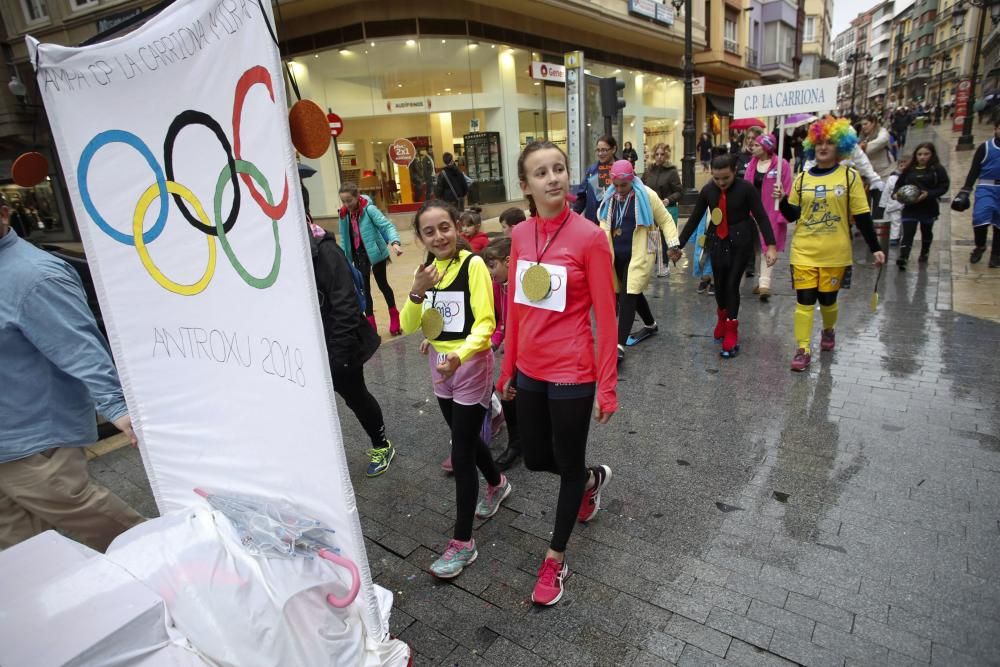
745	123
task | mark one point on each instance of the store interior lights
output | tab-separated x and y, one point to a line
411	42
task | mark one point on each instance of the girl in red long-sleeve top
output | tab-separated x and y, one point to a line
562	269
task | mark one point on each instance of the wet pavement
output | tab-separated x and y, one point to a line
846	515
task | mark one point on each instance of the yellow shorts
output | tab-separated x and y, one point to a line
822	278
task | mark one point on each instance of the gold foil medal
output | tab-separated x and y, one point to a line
536	283
716	216
431	323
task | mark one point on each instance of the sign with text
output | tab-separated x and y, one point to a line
961	105
815	95
412	104
402	152
698	85
548	72
191	215
336	124
665	14
575	103
646	8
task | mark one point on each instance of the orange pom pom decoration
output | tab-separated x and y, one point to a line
310	130
29	169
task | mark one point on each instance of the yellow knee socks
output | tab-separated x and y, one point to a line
803	324
829	314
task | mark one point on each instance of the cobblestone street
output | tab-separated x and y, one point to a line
846	515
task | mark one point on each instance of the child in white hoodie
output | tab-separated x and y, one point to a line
893	208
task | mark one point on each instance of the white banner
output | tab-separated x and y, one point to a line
174	142
781	99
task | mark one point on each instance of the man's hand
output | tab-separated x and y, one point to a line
124	424
879	257
674	254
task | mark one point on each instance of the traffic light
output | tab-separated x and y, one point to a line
611	103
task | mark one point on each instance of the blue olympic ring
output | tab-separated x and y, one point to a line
120	136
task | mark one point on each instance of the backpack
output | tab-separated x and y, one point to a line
359	281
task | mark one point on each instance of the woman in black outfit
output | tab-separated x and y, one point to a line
730	240
350	342
925	172
705	150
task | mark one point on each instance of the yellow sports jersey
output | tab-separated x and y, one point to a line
823	232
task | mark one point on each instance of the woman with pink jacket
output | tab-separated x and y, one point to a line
762	171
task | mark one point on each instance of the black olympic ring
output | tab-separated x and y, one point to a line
192	117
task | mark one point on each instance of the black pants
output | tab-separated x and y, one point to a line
981	233
510	416
468	452
629	304
556	422
730	258
349	382
910	232
367	269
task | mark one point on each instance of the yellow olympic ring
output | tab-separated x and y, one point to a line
152	193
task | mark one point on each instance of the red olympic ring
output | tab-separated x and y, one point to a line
254	75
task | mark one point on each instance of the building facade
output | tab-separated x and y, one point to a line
817	41
780	37
457	77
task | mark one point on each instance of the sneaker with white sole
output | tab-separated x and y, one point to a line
592	497
549	587
455	559
490	504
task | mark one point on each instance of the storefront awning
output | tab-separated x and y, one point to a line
723	105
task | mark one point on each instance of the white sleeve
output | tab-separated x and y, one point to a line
864	166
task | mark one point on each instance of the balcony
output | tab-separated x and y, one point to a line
731	46
752	59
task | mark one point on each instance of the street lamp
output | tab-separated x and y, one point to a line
966	142
687	163
945	60
855	58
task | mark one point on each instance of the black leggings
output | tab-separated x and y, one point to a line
367	270
809	297
729	261
910	233
981	232
554	439
510	416
629	304
468	452
349	382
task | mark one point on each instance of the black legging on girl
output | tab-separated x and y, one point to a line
554	422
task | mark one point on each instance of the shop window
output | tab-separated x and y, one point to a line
35	11
34	211
77	5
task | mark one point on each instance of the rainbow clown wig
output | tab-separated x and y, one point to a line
835	130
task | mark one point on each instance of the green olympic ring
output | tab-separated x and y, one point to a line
225	177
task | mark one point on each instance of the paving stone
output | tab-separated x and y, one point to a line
427	641
849	645
741	653
646	659
699	635
692	656
741	627
803	651
816	610
781	618
507	653
898	640
753	587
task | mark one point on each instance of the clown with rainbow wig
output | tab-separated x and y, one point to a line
822	200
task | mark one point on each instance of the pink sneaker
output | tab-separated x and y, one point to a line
801	360
828	340
592	497
549	587
446	465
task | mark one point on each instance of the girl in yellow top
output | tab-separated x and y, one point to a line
822	201
451	301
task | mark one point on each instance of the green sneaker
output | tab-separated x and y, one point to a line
454	559
490	504
379	460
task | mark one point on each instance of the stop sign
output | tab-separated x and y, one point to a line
336	124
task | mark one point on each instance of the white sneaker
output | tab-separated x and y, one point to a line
664	272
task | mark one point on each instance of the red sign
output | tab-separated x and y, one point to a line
961	105
402	152
336	124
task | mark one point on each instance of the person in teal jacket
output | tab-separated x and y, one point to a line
365	235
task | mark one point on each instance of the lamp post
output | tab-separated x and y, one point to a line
966	142
945	61
854	59
687	162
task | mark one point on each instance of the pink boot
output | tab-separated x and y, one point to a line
371	321
394	328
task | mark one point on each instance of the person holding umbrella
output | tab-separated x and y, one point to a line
763	173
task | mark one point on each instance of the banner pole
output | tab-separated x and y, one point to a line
781	153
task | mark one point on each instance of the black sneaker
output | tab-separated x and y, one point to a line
901	263
922	259
509	457
703	286
995	261
977	254
711	289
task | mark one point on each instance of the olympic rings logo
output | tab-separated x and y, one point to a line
165	184
449	310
